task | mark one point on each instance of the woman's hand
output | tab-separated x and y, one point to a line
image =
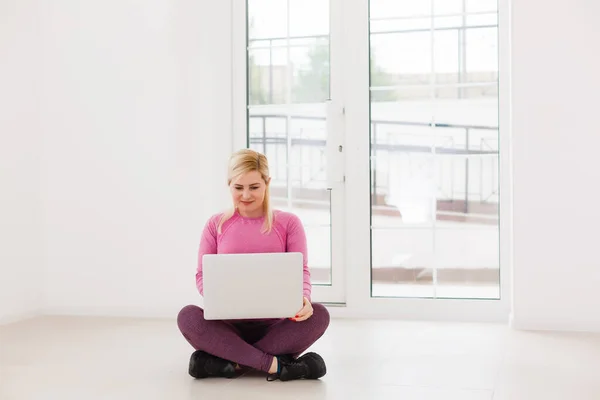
305	313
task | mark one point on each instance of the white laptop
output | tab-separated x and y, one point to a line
252	286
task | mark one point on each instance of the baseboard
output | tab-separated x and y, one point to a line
494	316
337	311
555	325
155	310
18	317
114	312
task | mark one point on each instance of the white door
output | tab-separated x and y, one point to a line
383	121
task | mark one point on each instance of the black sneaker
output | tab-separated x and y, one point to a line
309	366
204	365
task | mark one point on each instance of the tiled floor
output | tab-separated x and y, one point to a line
113	359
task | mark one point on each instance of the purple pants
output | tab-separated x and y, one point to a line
251	343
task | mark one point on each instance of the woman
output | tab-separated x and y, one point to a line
272	346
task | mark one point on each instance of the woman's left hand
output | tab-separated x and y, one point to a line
305	313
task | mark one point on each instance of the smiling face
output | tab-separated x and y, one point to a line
248	194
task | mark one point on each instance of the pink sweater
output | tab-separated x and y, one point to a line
243	235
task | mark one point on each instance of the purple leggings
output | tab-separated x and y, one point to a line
251	343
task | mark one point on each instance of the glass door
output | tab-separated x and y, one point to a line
293	117
425	158
385	123
434	149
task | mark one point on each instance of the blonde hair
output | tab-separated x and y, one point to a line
240	163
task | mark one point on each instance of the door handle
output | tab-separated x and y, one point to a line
334	143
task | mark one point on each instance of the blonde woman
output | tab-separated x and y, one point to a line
272	346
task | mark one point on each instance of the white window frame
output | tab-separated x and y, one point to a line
354	77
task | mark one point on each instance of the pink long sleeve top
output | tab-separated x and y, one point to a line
243	235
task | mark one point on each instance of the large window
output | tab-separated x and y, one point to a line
421	79
288	85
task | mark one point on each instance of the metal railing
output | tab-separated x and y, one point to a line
273	142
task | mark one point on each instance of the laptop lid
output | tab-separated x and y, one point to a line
252	286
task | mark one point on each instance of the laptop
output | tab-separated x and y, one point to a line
252	286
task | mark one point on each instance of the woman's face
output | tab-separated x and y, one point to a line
248	194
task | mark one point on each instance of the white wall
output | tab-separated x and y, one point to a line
556	130
21	245
136	106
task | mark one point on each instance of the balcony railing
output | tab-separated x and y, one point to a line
467	155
